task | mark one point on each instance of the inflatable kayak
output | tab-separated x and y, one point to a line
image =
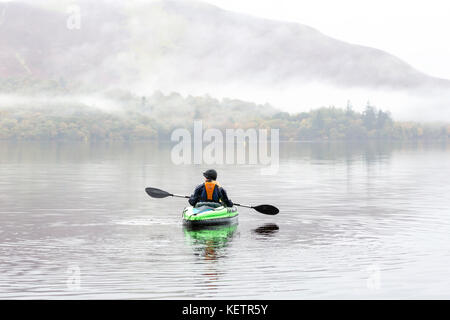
209	213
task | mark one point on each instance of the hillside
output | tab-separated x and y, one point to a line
188	41
195	48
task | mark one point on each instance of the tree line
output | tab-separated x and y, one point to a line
154	117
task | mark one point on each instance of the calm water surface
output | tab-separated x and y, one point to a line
356	221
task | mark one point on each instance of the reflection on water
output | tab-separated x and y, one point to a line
267	230
350	215
210	242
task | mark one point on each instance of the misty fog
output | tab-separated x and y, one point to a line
198	49
107	107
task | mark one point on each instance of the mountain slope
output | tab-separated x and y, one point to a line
189	41
196	48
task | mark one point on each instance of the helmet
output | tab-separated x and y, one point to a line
210	174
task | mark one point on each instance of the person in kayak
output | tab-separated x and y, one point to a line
210	191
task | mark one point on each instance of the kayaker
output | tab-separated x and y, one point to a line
210	191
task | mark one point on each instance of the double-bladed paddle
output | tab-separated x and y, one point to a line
263	208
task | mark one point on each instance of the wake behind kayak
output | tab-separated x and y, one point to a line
209	213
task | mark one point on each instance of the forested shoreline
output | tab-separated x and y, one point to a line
131	117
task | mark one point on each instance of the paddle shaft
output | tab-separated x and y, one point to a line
263	208
179	196
187	197
243	205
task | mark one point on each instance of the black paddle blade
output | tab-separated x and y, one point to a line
157	193
267	209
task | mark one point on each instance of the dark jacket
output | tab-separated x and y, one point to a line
199	191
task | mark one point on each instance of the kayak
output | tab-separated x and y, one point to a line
209	213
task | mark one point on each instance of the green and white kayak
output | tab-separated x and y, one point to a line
209	213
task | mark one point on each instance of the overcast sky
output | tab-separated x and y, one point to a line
417	31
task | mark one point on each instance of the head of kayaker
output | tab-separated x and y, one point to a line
210	191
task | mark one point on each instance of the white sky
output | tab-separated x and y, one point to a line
417	31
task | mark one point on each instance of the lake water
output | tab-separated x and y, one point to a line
356	221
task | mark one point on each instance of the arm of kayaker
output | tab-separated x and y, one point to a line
224	198
195	197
